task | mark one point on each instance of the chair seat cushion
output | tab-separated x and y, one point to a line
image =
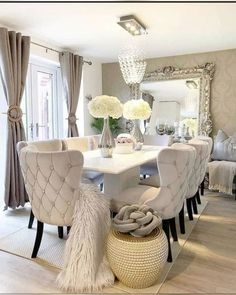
133	195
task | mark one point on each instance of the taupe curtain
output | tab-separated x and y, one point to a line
14	59
71	69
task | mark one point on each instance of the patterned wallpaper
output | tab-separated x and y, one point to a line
223	95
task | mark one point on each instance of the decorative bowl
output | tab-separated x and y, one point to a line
124	148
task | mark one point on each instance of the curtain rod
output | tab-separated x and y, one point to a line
48	48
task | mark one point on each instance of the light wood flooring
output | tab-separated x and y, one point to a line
206	264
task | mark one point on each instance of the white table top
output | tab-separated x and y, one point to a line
119	162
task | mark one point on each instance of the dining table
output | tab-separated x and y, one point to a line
121	171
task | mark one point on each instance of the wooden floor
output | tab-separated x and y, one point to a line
207	263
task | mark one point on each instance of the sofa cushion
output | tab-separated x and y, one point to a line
224	147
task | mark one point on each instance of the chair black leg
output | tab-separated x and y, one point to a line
202	188
173	229
38	239
31	219
144	176
194	203
189	209
60	232
68	229
182	221
165	226
101	186
198	198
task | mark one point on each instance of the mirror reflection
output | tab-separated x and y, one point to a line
175	106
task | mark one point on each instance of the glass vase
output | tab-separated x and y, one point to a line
106	142
137	134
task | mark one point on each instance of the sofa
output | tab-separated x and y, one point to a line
223	164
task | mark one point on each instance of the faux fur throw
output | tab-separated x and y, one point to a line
85	266
221	175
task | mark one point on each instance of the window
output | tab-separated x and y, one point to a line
43	95
43	103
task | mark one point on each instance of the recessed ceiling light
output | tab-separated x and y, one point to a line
132	25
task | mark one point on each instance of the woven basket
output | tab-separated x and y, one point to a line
137	262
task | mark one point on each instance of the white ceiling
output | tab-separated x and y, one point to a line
174	28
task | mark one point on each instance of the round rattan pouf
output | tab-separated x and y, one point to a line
137	262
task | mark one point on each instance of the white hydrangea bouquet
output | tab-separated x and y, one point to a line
137	109
105	106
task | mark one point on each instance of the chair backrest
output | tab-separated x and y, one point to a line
96	139
194	175
52	180
209	141
162	140
82	144
46	145
174	166
203	157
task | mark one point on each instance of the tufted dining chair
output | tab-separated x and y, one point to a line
174	166
210	146
150	168
52	180
194	180
205	156
52	145
84	144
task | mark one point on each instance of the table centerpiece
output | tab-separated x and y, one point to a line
136	110
105	106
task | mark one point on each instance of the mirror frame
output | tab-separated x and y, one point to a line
205	72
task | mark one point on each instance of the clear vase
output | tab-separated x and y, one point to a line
137	134
107	142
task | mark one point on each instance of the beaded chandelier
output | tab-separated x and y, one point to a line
132	65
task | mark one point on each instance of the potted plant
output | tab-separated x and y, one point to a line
97	124
137	247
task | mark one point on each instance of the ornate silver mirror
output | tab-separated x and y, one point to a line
179	96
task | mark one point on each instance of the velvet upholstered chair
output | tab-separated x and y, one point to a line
52	181
84	144
174	166
205	156
150	168
53	145
210	146
201	148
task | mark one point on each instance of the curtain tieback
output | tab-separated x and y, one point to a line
72	119
14	113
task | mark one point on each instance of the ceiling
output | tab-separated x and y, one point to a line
90	28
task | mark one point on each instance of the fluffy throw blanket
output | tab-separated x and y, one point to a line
85	266
221	175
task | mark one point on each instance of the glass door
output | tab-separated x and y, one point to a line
41	108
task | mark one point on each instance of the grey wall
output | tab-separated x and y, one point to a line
223	100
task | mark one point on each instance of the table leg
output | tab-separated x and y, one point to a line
114	184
